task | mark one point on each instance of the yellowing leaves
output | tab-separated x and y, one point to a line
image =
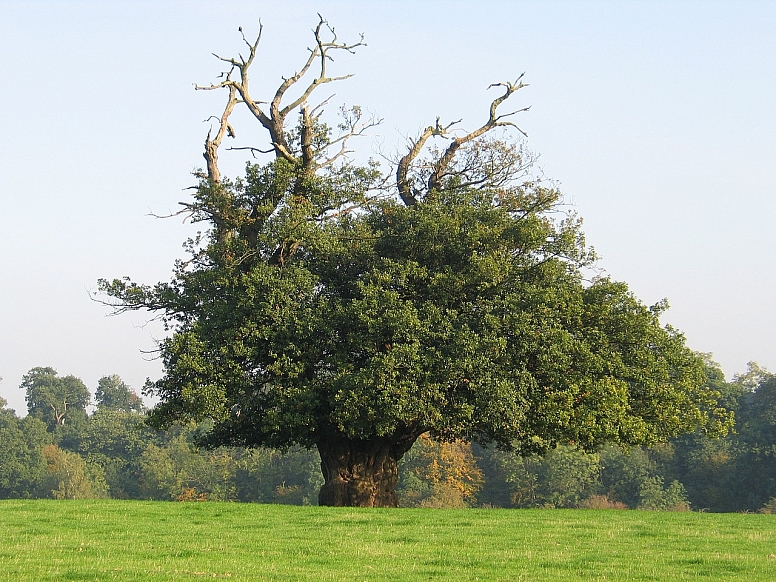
441	474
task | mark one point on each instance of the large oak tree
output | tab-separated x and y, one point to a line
334	306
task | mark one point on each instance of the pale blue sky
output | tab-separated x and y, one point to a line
658	119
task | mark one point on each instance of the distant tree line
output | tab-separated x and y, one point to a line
65	449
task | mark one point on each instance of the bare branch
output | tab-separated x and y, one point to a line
318	109
351	126
321	52
306	139
241	86
494	120
187	210
402	171
212	145
236	80
253	150
212	86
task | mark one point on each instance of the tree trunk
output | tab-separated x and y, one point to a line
360	473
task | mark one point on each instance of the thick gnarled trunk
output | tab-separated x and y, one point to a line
360	473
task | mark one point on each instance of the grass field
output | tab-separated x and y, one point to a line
131	540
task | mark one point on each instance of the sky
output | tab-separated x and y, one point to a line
656	119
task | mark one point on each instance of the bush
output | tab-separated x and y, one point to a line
654	496
769	507
601	502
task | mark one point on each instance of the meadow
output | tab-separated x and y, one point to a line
133	540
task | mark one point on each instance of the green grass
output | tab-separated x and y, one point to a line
130	540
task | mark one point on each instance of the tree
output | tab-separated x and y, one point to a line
55	399
707	467
755	465
175	470
564	477
270	476
331	306
439	474
115	440
624	473
70	477
113	394
655	496
22	465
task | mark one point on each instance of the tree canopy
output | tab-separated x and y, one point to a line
21	460
351	309
53	399
113	394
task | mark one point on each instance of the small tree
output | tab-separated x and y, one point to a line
332	306
439	474
70	477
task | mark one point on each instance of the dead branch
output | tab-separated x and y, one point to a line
351	126
408	196
494	120
441	166
273	119
185	212
212	145
253	150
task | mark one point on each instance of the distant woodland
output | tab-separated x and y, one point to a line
74	445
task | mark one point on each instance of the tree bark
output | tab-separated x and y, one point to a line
360	473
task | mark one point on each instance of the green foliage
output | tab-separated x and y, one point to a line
564	477
706	467
68	476
465	316
113	394
22	465
115	440
708	470
568	477
270	476
173	468
176	471
624	473
118	454
735	473
654	495
756	462
57	401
